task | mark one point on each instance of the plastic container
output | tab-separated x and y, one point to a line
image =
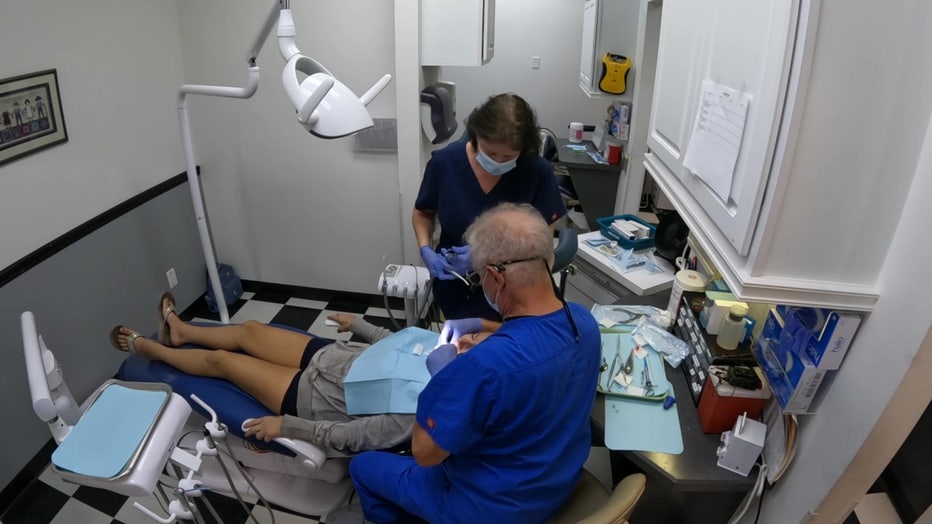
733	329
685	281
576	131
721	403
605	226
613	153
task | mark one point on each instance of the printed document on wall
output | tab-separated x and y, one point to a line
716	138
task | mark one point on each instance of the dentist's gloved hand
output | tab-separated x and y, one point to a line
454	329
440	357
436	264
459	258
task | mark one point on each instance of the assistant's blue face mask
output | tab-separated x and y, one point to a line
494	168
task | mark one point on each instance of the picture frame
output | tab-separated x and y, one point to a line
31	117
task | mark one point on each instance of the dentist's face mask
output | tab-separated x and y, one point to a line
496	168
491	302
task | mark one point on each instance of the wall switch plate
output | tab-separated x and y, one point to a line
172	278
535	62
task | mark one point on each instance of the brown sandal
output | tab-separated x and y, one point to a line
164	330
130	339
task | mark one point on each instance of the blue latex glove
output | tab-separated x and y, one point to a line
436	264
459	258
440	357
454	329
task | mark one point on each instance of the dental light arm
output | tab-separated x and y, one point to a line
325	107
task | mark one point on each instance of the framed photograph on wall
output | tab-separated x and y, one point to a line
30	114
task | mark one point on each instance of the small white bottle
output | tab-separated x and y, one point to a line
733	327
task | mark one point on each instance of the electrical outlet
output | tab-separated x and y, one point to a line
172	278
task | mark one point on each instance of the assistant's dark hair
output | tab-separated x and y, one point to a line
505	119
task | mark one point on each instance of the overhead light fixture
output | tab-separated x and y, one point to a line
326	107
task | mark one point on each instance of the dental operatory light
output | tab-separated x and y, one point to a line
325	107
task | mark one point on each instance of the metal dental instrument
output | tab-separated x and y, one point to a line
615	363
629	364
648	385
603	368
461	277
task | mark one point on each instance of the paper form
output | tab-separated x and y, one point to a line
716	138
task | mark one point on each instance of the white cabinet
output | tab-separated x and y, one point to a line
609	26
745	46
457	32
798	224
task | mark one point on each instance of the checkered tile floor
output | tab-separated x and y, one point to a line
48	499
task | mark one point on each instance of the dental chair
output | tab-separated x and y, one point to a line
591	503
291	473
563	255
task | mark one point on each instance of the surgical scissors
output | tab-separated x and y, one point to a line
648	385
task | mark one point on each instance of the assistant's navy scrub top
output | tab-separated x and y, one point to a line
450	189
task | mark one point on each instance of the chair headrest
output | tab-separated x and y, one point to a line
565	251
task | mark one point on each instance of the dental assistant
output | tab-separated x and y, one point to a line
498	162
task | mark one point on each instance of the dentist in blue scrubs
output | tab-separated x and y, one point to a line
502	429
498	162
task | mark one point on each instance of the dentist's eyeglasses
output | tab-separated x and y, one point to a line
474	279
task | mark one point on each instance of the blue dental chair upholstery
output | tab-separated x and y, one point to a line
230	402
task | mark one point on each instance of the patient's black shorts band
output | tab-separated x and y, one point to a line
290	401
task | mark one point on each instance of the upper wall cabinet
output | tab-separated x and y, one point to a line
609	26
457	32
734	90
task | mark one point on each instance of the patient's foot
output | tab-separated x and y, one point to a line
130	341
170	327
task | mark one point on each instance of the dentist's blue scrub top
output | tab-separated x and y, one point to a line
514	414
450	189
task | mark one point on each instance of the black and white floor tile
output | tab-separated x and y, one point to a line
49	500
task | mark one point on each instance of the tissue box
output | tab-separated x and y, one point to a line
830	333
793	378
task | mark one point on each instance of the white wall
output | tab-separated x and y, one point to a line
899	159
881	353
285	206
119	65
550	29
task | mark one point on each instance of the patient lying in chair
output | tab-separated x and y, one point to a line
292	373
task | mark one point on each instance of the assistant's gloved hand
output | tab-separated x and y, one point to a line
440	357
454	329
459	258
436	264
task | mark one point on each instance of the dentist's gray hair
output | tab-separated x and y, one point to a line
507	233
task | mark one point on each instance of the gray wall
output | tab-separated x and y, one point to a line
113	275
119	69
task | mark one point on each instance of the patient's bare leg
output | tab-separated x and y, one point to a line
272	344
264	380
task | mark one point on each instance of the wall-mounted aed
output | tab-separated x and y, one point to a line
614	73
